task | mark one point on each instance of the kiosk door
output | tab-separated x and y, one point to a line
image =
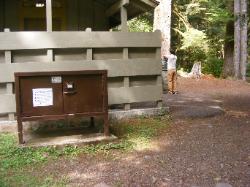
83	93
39	96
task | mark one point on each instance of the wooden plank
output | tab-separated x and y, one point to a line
8	104
116	68
116	7
54	40
134	94
144	5
115	95
49	15
151	3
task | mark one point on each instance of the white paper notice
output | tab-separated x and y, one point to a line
42	97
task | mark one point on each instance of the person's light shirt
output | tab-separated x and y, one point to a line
171	62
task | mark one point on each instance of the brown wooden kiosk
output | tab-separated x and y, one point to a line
74	35
61	95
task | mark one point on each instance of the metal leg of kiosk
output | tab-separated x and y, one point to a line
20	131
92	121
106	126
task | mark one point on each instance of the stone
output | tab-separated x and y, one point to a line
223	185
127	114
154	179
102	184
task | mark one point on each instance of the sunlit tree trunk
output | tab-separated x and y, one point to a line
162	22
240	38
237	38
244	55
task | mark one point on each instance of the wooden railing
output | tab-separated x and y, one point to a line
132	61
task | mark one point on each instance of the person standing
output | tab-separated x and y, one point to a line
172	73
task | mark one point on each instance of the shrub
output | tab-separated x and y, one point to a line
248	70
213	66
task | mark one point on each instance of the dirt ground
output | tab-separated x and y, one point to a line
201	148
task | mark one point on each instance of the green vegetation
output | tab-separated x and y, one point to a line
213	66
142	23
199	32
17	163
137	133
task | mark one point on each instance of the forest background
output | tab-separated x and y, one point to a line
201	31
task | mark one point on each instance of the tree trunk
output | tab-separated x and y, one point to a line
237	38
162	22
243	49
228	67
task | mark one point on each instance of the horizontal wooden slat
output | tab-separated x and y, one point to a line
7	104
134	94
116	96
54	40
116	68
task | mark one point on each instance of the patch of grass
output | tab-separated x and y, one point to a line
20	178
138	132
14	157
15	160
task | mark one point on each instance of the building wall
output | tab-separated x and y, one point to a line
132	60
79	15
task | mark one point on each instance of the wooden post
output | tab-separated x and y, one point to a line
159	82
49	15
50	54
92	122
9	86
89	50
124	28
124	19
126	85
160	79
106	126
126	79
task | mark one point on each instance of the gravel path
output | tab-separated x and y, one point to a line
202	148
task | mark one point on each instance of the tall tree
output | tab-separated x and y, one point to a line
240	38
228	66
237	37
162	22
244	55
